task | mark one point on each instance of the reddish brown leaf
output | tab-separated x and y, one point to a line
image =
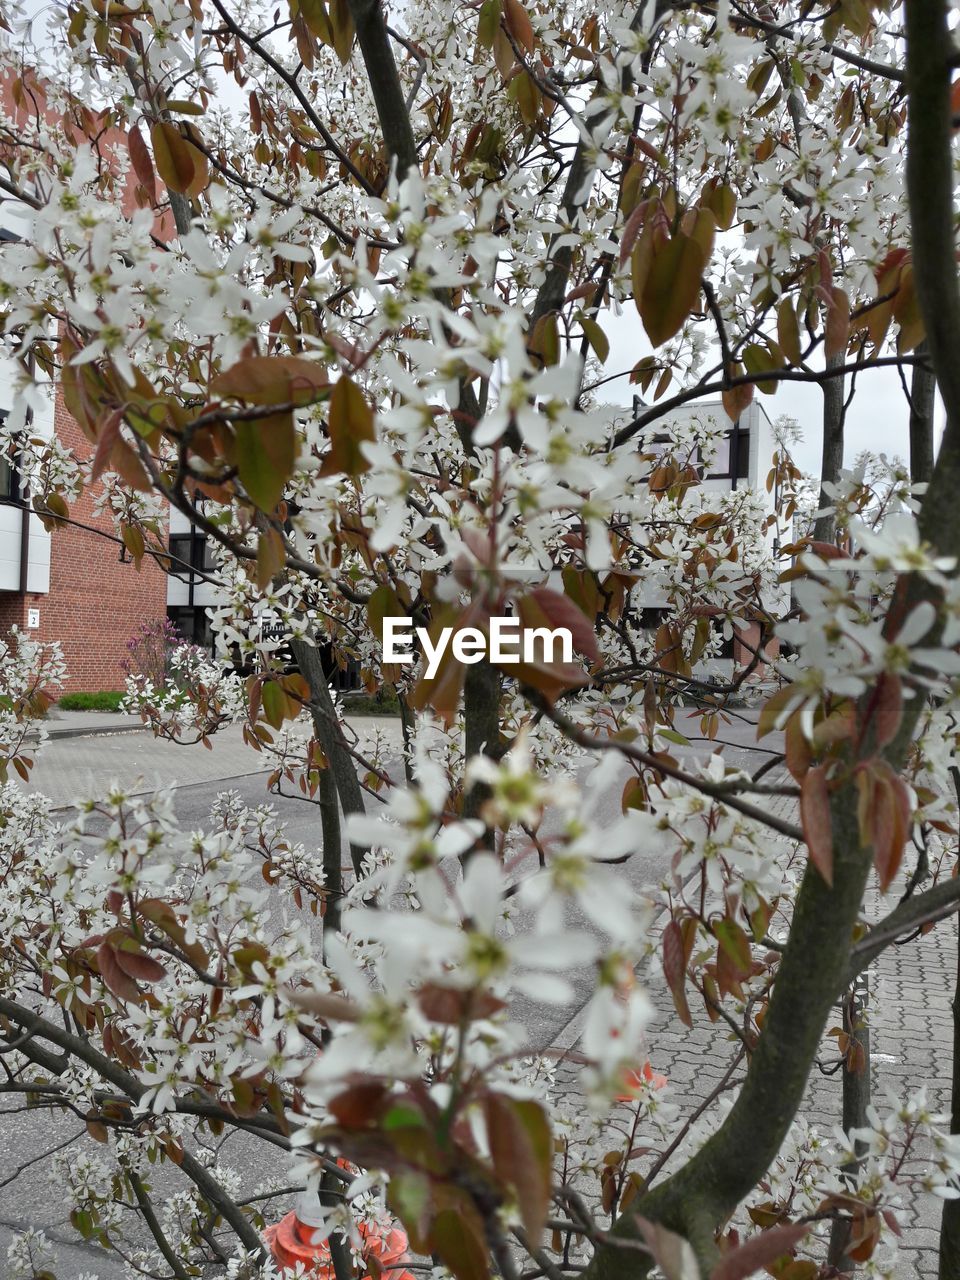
837	328
888	708
108	437
140	967
816	820
888	821
272	380
545	608
631	230
142	164
120	983
759	1251
518	24
520	1147
451	1005
737	399
674	969
358	1105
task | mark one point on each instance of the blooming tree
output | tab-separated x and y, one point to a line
343	285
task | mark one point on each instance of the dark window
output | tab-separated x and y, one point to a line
650	619
726	644
190	555
732	461
180	551
190	549
9	477
192	624
9	482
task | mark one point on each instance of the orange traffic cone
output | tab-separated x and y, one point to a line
291	1241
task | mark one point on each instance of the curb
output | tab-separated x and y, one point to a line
95	732
91	731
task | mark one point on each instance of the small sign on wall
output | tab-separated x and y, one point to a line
33	619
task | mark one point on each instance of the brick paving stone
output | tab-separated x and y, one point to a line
911	1045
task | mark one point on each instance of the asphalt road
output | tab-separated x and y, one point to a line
28	1195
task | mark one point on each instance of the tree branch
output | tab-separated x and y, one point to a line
923	908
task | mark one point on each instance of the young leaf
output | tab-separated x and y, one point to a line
341	24
518	24
596	337
816	820
674	969
350	423
735	943
737	399
520	1147
888	710
173	155
759	1251
672	287
272	380
264	453
270	557
543	607
142	164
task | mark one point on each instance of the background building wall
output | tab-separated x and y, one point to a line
95	602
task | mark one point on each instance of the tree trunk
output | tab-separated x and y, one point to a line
922	391
330	736
481	714
950	1218
856	1099
825	528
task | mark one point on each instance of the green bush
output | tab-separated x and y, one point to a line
108	700
382	703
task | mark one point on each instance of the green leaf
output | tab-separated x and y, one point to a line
410	1198
671	288
274	704
341	21
489	22
759	359
788	331
735	943
184	108
596	337
318	20
264	454
459	1242
173	156
350	423
383	603
403	1116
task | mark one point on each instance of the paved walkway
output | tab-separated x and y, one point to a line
97	748
912	985
911	1029
78	724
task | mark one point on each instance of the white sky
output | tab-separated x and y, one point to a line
878	417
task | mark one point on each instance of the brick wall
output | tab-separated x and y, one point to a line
95	602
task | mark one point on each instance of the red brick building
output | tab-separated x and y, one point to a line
70	585
94	600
